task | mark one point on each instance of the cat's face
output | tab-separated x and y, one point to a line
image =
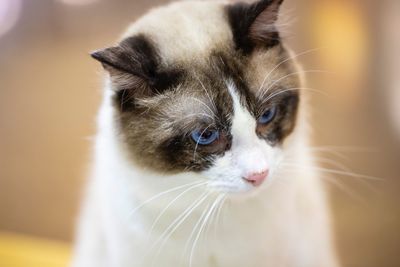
208	88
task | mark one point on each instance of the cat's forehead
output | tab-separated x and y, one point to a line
187	107
196	36
186	30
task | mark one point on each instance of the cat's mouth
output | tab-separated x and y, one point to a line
243	186
235	181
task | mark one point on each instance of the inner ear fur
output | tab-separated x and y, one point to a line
253	24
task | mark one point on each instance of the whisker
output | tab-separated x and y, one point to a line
203	214
288	75
217	218
201	229
205	90
205	105
160	195
294	89
336	164
342	167
177	222
286	60
345	148
332	171
213	216
193	115
339	185
328	150
171	203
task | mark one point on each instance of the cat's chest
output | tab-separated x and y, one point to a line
234	240
237	250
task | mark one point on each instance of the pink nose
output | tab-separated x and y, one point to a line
258	178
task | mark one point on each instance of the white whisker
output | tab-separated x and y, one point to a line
206	91
332	171
201	228
160	195
194	230
334	182
213	215
172	202
218	214
205	105
264	92
293	89
286	60
193	115
177	222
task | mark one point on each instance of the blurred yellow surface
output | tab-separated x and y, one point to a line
23	251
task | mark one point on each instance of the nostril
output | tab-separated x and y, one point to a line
257	178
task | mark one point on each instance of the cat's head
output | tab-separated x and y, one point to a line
205	87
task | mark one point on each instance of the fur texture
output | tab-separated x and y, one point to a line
156	194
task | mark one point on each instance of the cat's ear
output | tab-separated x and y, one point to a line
131	65
254	23
135	69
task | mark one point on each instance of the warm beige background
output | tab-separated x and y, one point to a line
50	90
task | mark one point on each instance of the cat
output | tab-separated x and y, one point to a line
202	118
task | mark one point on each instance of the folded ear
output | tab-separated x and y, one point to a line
134	68
254	23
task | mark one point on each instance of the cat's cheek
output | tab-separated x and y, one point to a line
222	176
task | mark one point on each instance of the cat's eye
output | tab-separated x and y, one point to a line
204	137
268	115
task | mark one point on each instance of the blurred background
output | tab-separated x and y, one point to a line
50	91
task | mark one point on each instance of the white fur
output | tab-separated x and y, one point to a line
249	154
283	224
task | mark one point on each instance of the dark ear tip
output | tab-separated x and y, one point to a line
270	2
275	1
96	55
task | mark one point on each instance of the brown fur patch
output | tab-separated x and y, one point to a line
158	130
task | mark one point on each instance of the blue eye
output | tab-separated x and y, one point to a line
204	137
268	116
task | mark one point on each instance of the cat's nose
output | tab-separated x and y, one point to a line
257	178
